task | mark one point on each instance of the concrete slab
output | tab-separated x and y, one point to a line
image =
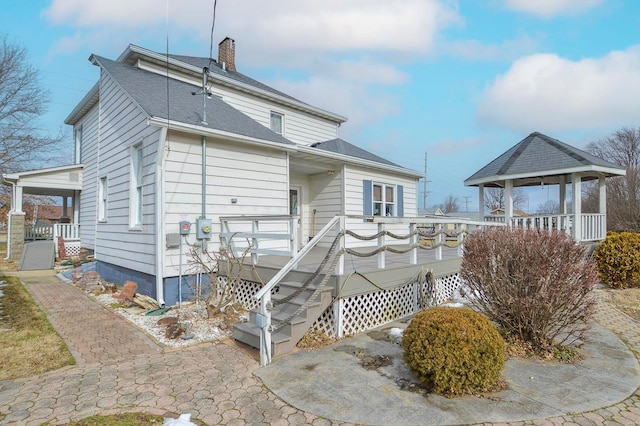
331	382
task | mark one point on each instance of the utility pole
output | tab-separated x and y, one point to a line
466	202
424	195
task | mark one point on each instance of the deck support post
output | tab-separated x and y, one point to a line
341	245
381	243
413	259
439	241
337	318
255	228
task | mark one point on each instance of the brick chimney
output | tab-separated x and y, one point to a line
227	54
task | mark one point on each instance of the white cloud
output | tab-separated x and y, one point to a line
551	8
475	50
546	92
346	52
358	102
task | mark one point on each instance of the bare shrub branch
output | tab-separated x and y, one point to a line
536	285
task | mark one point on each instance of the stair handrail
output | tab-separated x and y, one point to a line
264	295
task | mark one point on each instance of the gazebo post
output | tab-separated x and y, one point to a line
576	181
508	201
602	202
563	194
481	201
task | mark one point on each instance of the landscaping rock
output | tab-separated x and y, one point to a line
174	331
91	283
128	291
167	320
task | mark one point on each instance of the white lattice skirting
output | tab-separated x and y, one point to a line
355	314
72	248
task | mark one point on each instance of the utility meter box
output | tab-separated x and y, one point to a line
203	229
185	227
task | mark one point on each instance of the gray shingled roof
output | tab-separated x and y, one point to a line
150	91
537	154
340	146
215	68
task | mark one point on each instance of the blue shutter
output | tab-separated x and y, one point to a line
400	197
367	202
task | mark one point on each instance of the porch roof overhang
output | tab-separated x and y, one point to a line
54	181
311	159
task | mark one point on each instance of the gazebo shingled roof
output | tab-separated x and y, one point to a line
539	157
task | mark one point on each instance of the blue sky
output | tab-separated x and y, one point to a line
462	80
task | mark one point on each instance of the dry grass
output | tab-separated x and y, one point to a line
628	301
29	345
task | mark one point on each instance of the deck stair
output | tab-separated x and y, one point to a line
295	310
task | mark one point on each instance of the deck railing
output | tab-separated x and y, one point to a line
68	231
422	232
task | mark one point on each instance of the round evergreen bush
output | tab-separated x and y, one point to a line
618	260
454	350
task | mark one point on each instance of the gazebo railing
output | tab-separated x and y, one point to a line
593	225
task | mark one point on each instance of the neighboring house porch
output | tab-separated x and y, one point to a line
64	182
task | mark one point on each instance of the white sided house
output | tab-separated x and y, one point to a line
178	153
158	142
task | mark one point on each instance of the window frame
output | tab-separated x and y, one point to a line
102	198
281	116
382	200
136	187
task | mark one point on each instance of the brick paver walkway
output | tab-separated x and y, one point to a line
120	369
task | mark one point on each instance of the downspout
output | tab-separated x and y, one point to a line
204	187
160	216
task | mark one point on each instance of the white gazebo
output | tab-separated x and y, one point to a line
541	160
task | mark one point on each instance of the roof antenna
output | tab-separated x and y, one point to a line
205	72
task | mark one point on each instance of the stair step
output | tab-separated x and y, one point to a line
250	334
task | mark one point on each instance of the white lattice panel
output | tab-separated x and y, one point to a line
366	311
445	287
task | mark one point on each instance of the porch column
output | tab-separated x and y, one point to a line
15	243
17	199
481	201
508	202
576	182
64	206
563	195
75	206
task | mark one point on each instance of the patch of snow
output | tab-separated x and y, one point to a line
453	305
396	332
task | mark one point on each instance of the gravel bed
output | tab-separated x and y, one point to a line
202	329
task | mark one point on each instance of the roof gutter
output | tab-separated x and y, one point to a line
592	168
204	131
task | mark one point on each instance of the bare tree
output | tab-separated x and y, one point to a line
548	207
22	102
494	198
623	193
451	204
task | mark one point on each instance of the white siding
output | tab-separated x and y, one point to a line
326	198
255	177
88	156
304	208
122	124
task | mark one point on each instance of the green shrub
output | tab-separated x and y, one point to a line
536	285
618	260
454	350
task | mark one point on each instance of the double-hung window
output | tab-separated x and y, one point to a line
135	210
277	122
102	199
383	200
379	199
